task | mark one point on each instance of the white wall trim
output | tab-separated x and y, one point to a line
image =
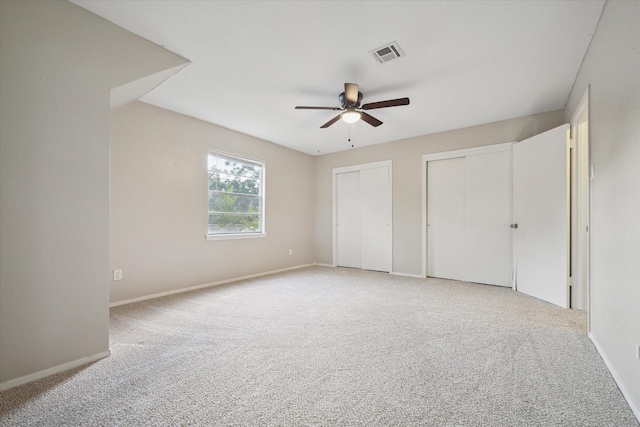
206	285
485	149
635	406
353	168
323	265
54	370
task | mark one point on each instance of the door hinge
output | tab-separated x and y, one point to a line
570	281
572	141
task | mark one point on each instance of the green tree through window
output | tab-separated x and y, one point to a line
235	194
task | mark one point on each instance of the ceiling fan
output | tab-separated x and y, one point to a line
351	109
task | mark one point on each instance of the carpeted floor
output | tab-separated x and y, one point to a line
334	347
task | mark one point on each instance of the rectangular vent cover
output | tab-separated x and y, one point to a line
387	52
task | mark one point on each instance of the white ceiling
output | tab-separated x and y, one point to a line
466	63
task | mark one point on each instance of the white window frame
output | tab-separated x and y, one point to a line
247	235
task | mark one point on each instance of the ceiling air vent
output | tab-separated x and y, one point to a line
387	52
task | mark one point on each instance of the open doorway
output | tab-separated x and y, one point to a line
580	191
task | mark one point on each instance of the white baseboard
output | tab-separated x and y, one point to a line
323	265
635	406
54	370
206	285
417	276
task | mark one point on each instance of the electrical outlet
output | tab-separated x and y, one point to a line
290	251
638	351
117	274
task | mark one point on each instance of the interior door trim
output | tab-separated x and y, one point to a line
582	187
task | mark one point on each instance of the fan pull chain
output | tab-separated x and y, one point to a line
350	129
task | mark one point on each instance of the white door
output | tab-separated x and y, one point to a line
363	217
348	219
540	208
375	214
469	213
488	217
446	219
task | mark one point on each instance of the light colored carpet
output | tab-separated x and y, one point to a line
323	346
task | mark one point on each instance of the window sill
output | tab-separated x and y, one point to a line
235	236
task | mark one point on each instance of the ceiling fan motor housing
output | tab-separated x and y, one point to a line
345	104
352	110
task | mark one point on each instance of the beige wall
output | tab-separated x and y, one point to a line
57	65
406	156
611	68
159	204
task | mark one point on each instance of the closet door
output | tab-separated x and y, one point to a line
348	219
376	219
488	206
468	218
446	219
363	217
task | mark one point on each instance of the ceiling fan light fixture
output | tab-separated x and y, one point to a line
351	110
350	116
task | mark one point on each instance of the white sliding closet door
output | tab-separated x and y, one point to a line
469	214
363	217
348	217
446	219
488	217
376	219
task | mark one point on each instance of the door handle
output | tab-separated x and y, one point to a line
513	226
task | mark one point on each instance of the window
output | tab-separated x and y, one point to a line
236	196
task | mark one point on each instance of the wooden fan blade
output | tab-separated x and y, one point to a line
330	122
385	104
370	119
351	93
318	108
